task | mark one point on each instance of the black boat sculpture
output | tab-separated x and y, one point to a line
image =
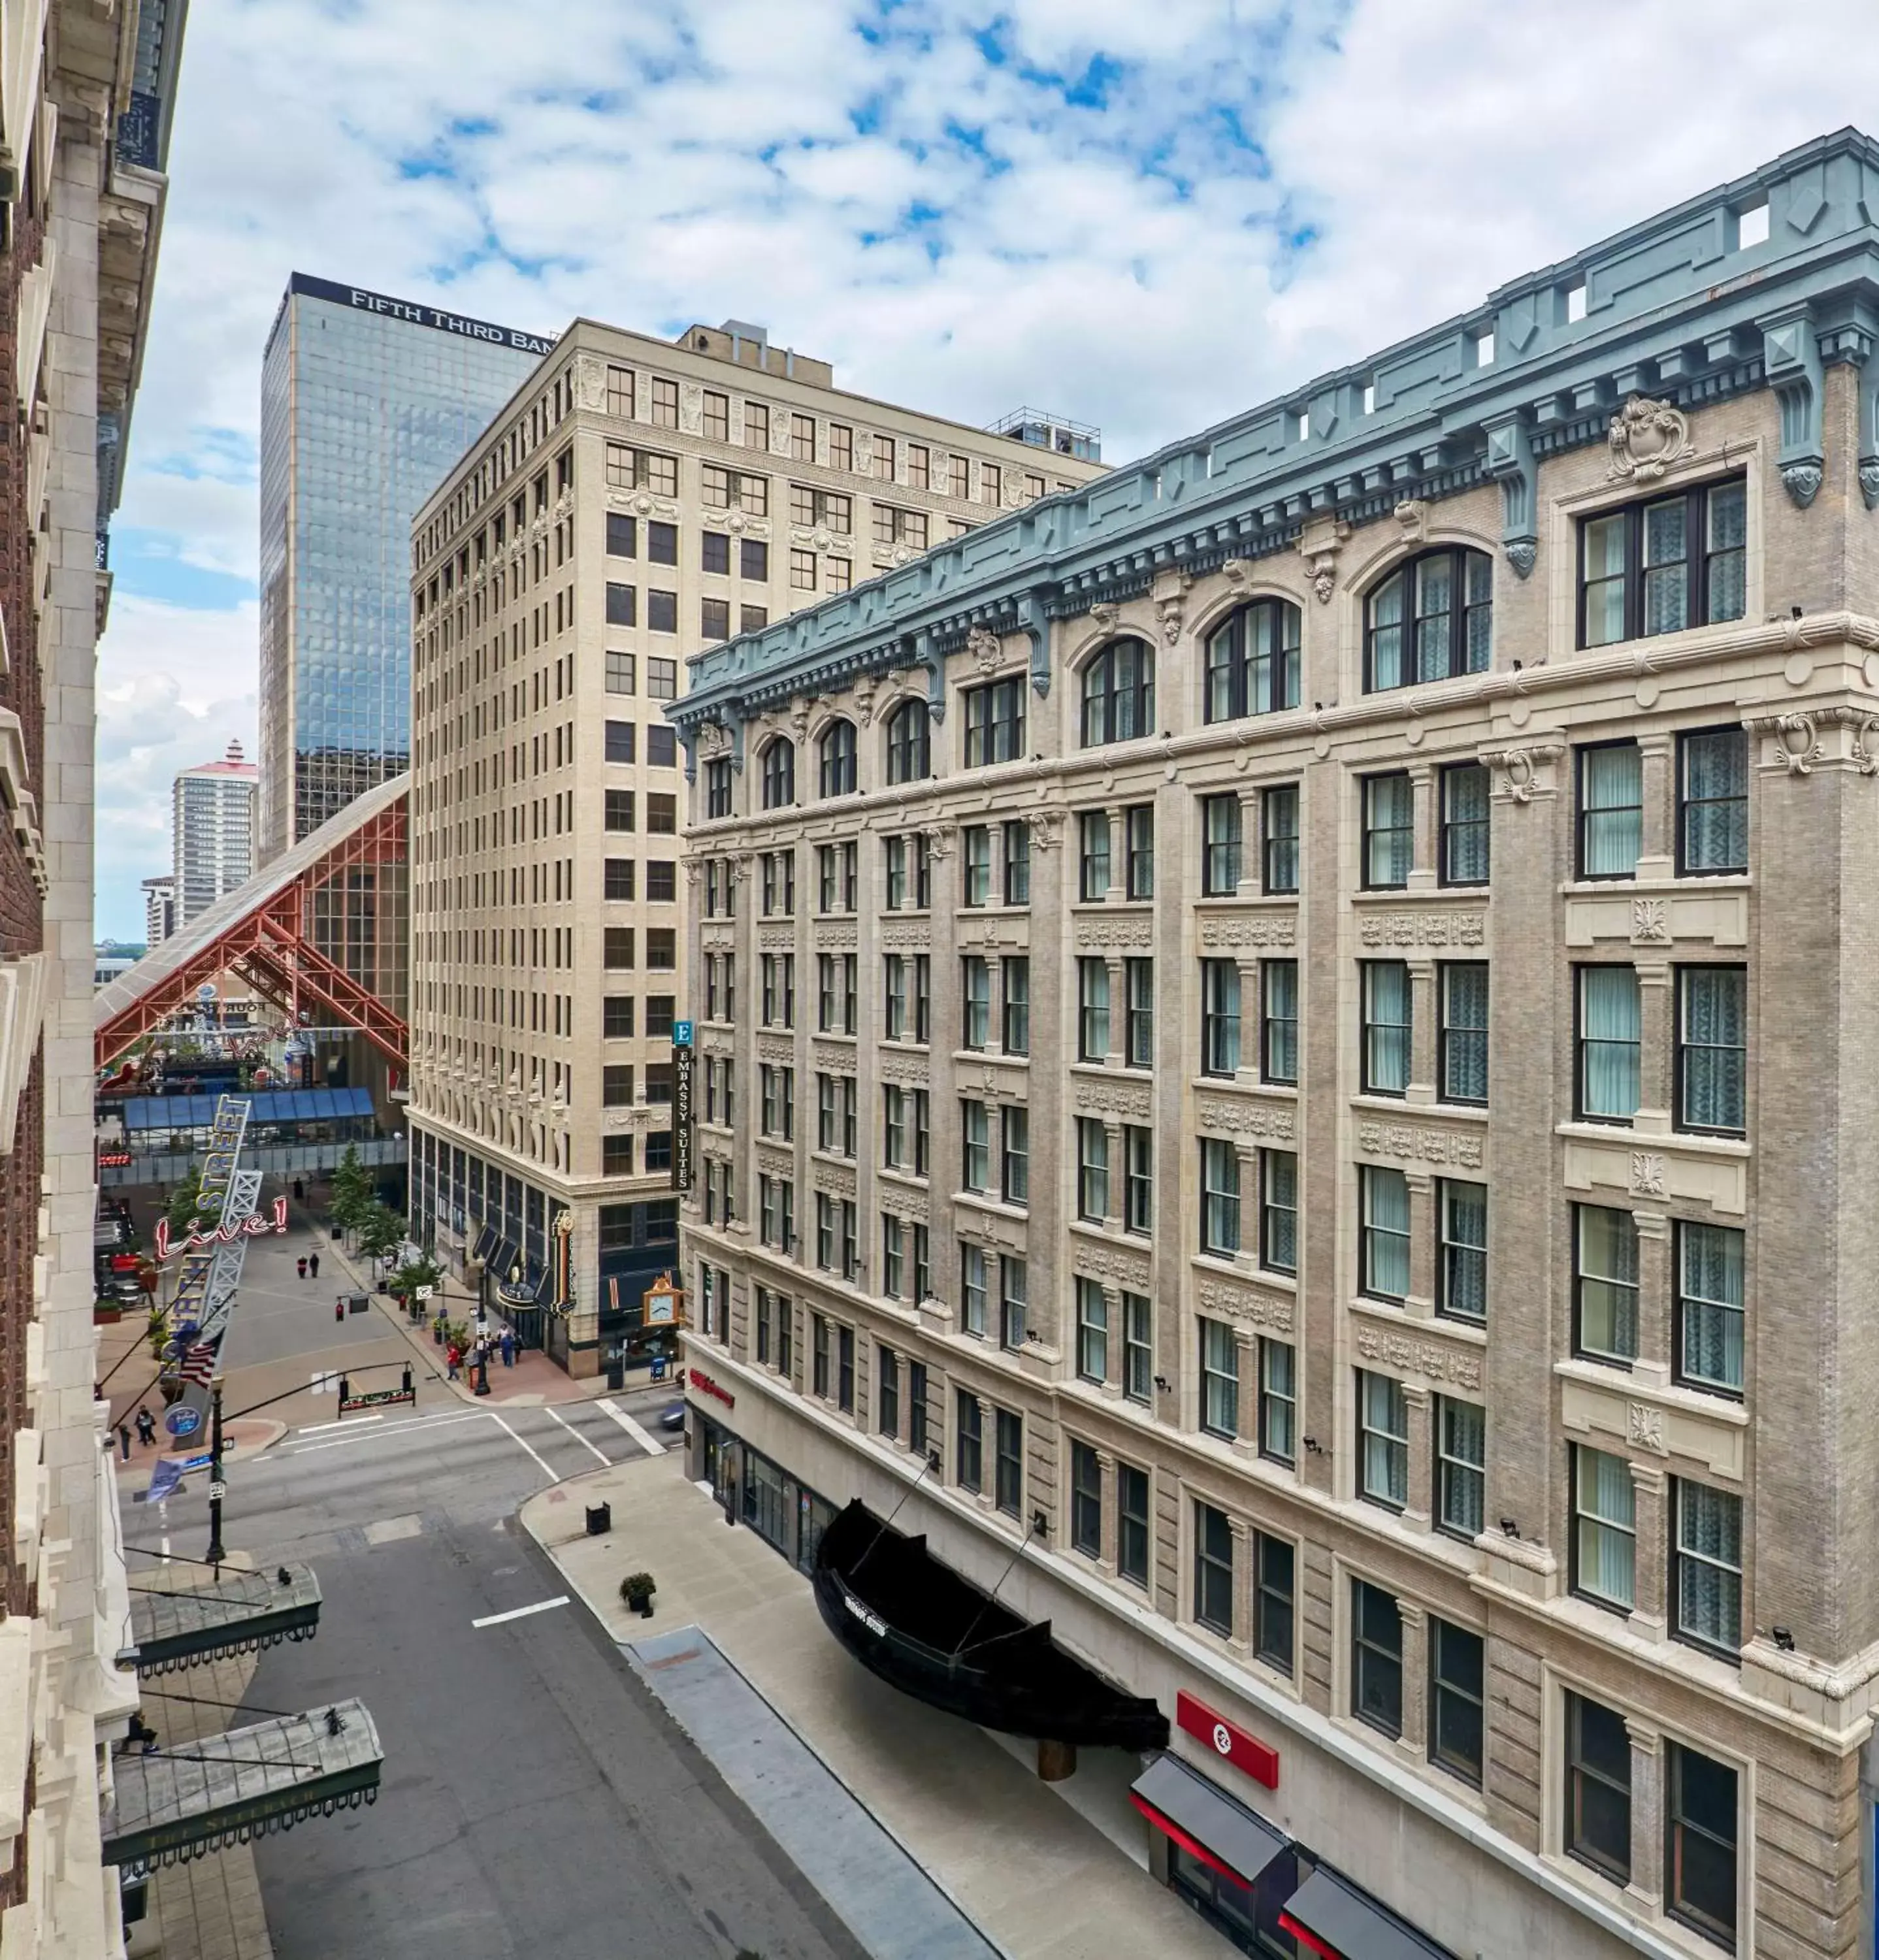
929	1633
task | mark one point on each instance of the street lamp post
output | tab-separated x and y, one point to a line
216	1553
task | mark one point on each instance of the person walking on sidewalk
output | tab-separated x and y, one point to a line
146	1428
313	1264
453	1357
301	1262
508	1346
123	1439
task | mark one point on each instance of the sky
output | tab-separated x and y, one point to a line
1146	216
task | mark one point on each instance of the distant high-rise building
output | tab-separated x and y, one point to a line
214	836
366	403
159	909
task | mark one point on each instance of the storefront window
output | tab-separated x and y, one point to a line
1247	1915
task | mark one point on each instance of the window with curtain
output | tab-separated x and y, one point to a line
1119	693
838	757
995	723
1219	1016
1430	620
1138	844
1710	1306
976	981
1092	1170
1609	1027
1461	1270
1712	1048
1138	1032
1610	810
1604	1529
1386	1026
975	864
1138	1346
1389	832
1279	1210
1707	1561
1712	802
1018	864
1138	1179
909	743
1219	1379
974	1289
1220	1197
779	774
1665	564
975	1135
1605	1283
1278	1400
1014	973
1461	1467
1465	788
1092	1331
1092	861
1383	1196
1279	1026
1463	1035
1252	661
1092	1009
1279	832
1382	1440
1220	846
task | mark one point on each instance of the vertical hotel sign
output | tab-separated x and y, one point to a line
681	1062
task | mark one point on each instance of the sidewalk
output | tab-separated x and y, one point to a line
833	1762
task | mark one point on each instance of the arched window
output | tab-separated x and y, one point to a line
779	774
838	759
1430	619
1119	693
1253	661
909	743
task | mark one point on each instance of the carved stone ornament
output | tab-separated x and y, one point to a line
1273	1312
939	837
1798	745
1869	481
1413	514
1650	920
1046	827
1520	769
1127	1102
1644	1425
1802	481
1258	929
1270	1123
1435	1146
1105	615
714	739
862	693
1124	1265
1865	749
1647	1175
986	648
1118	935
1405	1355
1523	555
1646	438
1434	927
1169	609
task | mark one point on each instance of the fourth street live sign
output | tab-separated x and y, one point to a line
681	1055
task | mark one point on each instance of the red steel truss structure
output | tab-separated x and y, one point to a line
321	931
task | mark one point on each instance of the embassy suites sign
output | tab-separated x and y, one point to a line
414	313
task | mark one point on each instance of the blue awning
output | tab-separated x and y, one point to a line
269	1106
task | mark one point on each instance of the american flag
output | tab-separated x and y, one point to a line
198	1365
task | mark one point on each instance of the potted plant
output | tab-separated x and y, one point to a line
636	1588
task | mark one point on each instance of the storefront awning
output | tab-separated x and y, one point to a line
931	1633
1205	1821
1332	1918
237	1612
224	1789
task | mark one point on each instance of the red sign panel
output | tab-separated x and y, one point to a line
1227	1739
705	1386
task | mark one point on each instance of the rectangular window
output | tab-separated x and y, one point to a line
1376	1658
976	987
1610	1027
620	677
1384	1255
1605	1283
1278	1401
1278	1020
662	676
1710	1306
1274	1600
617	944
1017	864
819	1357
1219	1016
1220	1197
1219	1379
1092	1331
1457	1700
975	1290
995	723
1013	1284
975	1131
1461	1252
1138	831
753	555
1604	1545
1382	1440
1712	802
1085	1501
845	1367
1610	810
665	403
1138	1346
916	1408
1278	833
1699	1850
1092	1170
622	604
715	548
1138	1180
662	611
1015	1180
621	877
1598	1821
1138	1034
1279	1210
1092	1009
616	1022
893	526
969	1424
1462	1036
1014	973
1220	846
1707	1567
1213	1570
1712	1048
975	864
887	1391
1465	788
1092	828
714	618
622	537
1461	1467
1386	1026
802	571
1662	565
1389	832
1134	1533
620	392
717	785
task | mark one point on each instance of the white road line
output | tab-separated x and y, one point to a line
380	1435
520	1612
510	1433
650	1443
578	1437
356	1422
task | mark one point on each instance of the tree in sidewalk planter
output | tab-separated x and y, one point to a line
185	1202
423	1271
157	1332
379	1231
351	1191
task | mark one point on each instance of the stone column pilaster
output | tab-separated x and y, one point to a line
1421	1459
1657	855
1422	789
1414	1739
1647	1815
1423	1248
1657	1033
1649	1609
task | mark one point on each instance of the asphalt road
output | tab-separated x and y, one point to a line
536	1800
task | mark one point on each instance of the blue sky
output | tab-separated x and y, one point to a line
1142	215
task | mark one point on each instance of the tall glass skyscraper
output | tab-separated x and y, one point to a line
366	403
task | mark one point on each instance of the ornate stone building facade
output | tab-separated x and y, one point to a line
1302	1100
637	499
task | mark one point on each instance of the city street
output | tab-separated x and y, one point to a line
534	1800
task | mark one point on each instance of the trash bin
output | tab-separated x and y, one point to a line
616	1369
339	1233
599	1519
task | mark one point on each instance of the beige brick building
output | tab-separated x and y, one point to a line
1321	1085
637	499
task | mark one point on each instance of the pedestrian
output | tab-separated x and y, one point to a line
146	1427
299	1191
313	1264
508	1346
123	1439
453	1355
301	1262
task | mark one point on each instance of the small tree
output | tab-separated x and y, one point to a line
379	1231
186	1201
351	1191
413	1273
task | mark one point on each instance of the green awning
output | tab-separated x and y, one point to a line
237	1612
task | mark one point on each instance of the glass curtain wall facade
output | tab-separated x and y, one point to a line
366	403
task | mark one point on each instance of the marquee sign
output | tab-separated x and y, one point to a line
414	313
253	1226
